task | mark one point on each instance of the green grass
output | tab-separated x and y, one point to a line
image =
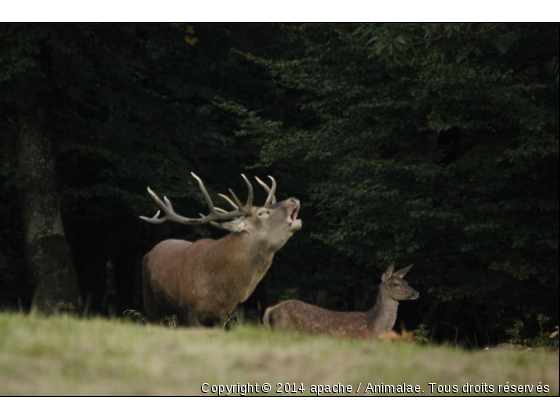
68	356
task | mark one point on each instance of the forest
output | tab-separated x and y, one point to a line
427	144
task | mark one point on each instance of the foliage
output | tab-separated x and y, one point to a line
515	333
420	334
543	338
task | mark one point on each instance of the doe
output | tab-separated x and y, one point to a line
371	324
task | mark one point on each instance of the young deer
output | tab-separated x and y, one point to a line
371	324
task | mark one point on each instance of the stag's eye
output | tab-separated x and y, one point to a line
262	213
394	284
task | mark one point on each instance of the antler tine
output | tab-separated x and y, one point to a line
271	199
250	195
237	200
225	197
204	193
160	203
154	219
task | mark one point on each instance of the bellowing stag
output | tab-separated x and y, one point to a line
202	282
371	324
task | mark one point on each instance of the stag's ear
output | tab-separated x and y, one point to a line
387	274
402	271
235	225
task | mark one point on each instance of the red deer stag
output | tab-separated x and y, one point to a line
202	282
371	324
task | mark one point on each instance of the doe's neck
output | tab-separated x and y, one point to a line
383	315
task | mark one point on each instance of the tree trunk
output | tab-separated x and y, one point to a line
47	253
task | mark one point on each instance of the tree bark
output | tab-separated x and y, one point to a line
47	253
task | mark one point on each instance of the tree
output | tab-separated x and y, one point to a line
47	253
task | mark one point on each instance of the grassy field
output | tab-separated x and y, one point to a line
68	356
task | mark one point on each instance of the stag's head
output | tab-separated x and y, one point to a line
393	285
273	223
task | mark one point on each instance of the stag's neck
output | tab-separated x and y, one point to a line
382	317
248	252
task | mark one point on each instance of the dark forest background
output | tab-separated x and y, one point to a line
427	144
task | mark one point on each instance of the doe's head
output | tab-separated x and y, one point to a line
393	284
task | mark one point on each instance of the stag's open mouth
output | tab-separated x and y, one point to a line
293	222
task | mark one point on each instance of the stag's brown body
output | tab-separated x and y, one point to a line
371	324
202	282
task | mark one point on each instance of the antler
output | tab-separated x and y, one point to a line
271	199
214	212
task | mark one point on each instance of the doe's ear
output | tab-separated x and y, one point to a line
387	274
235	225
402	271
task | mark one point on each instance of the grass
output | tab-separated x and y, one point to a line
68	356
